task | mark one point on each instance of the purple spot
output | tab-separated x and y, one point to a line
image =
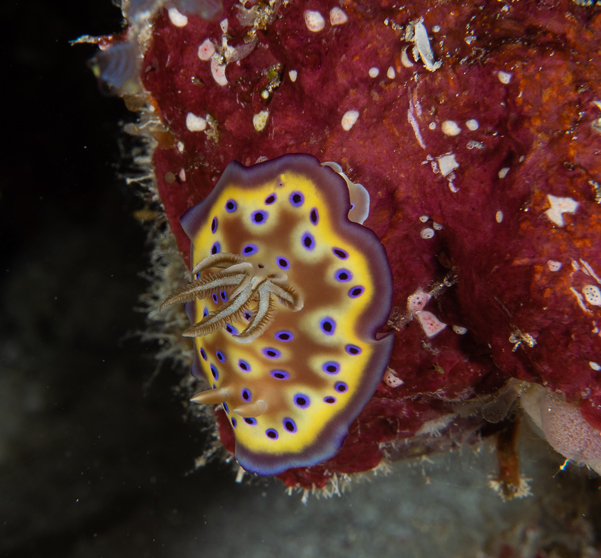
214	225
247	316
271	433
340	387
225	407
329	400
331	367
280	374
356	291
234	423
352	206
353	350
301	400
250	249
205	312
283	263
284	336
214	372
297	199
308	241
197	276
270	199
314	216
244	366
328	326
231	329
224	296
289	425
220	356
250	421
340	253
259	217
214	386
230	206
246	394
203	354
343	275
270	352
215	298
216	248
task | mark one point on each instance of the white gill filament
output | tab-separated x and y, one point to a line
253	284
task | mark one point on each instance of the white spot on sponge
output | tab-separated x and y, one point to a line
417	34
559	206
177	18
430	323
417	301
447	164
195	123
314	21
337	16
427	233
206	50
260	120
349	119
411	119
405	61
472	125
592	294
504	77
218	72
450	128
391	380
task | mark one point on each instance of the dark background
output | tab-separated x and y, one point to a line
94	447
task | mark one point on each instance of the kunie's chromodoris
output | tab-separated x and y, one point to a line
287	296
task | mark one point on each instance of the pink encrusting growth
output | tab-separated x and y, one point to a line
570	434
391	379
430	323
479	151
564	426
417	301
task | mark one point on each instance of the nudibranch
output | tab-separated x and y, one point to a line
287	297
